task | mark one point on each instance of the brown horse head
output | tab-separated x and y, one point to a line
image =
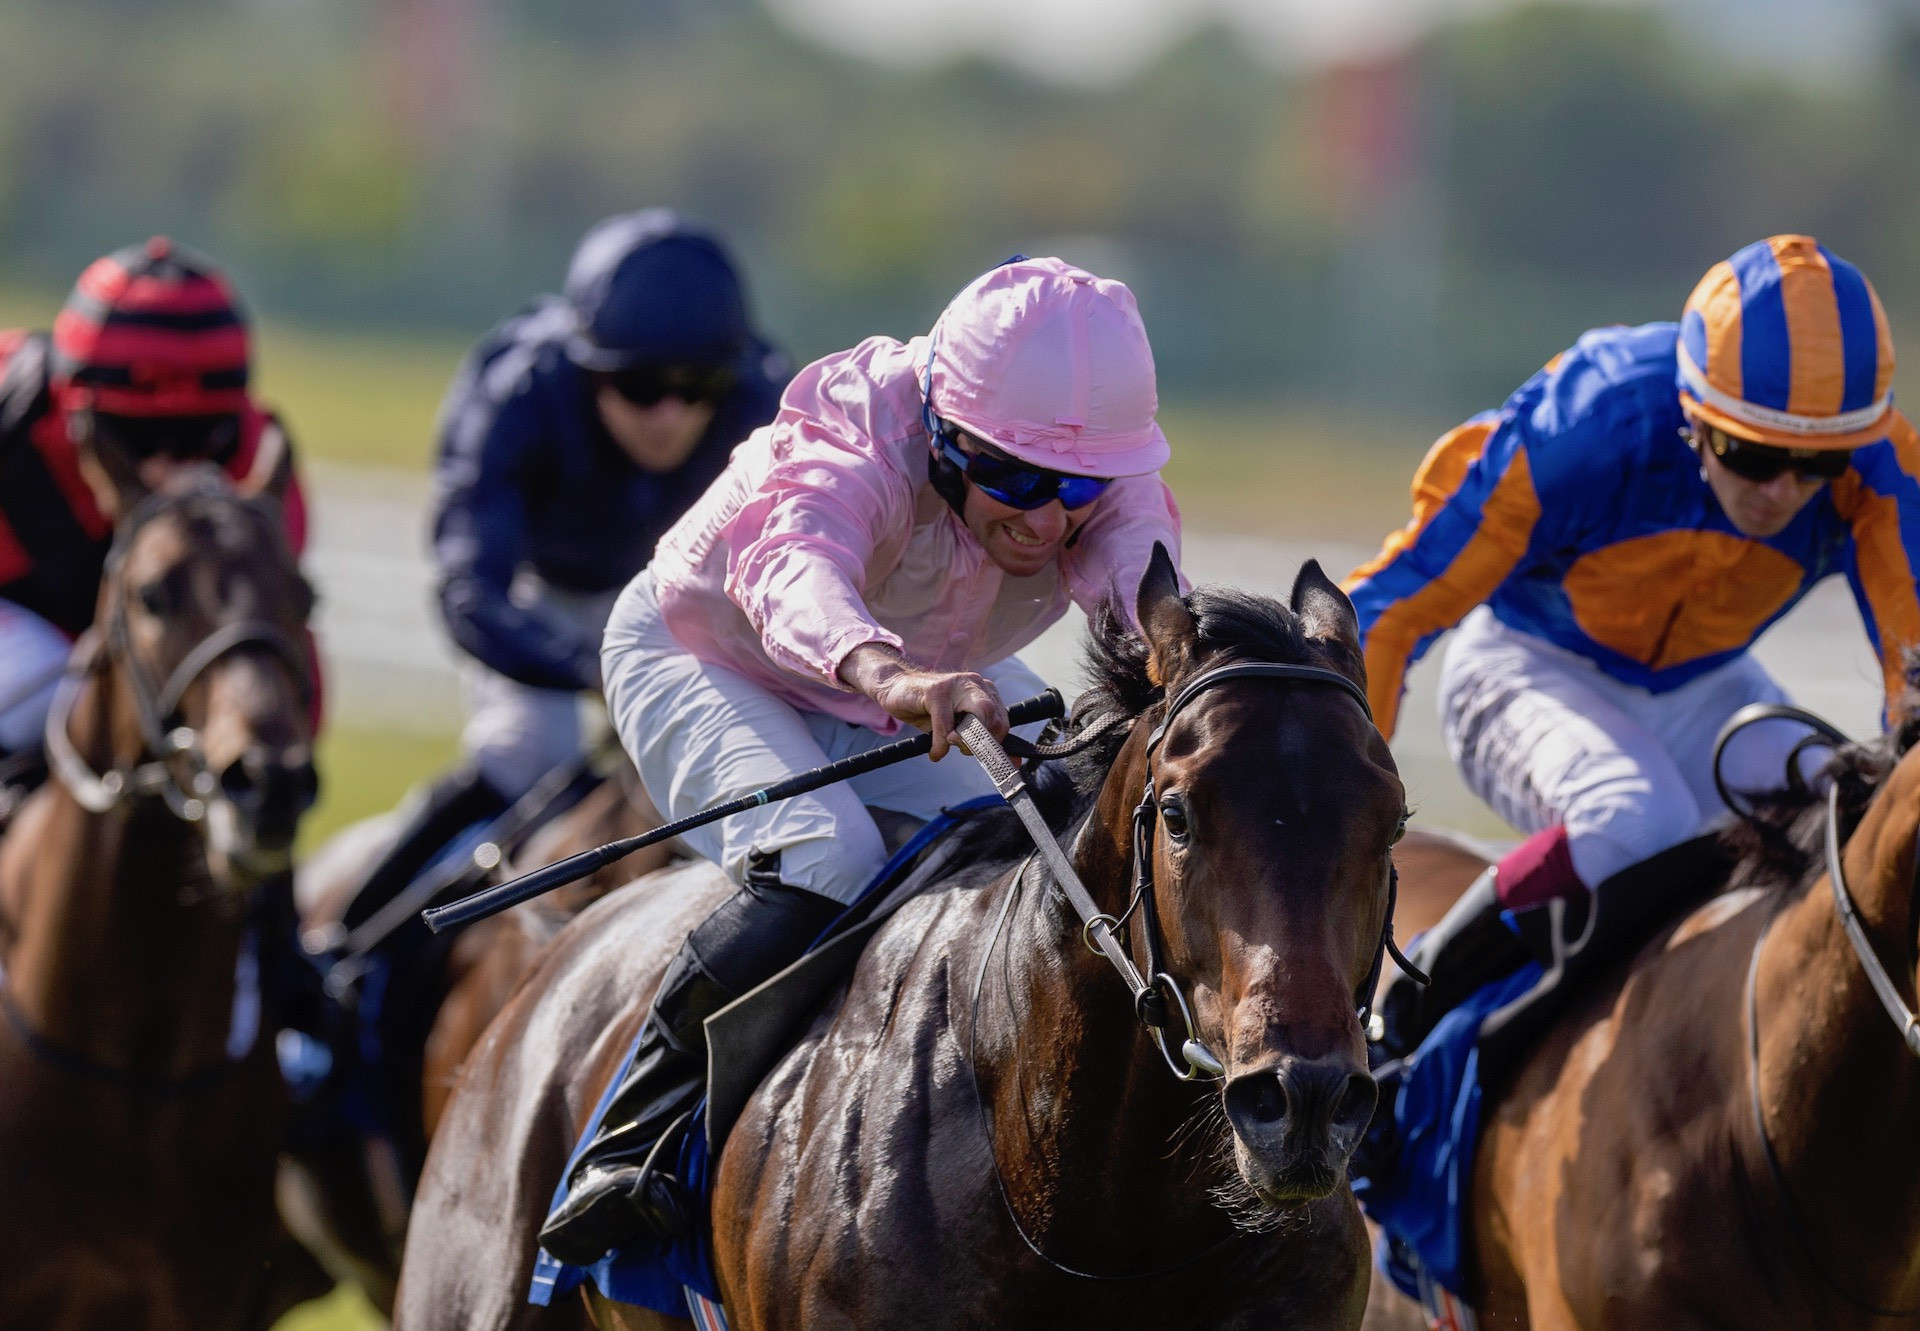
204	613
1278	804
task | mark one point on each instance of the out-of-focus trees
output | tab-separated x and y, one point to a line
1421	232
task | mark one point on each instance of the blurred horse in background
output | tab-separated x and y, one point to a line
141	1106
347	1191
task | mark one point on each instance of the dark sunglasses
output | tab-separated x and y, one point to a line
1762	462
183	438
650	385
1016	484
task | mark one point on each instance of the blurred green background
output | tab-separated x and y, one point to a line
1413	228
1339	248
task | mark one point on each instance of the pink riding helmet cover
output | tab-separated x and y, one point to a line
1051	365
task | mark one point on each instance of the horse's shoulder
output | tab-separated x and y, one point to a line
928	918
1709	916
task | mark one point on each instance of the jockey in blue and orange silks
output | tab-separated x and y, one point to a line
1611	542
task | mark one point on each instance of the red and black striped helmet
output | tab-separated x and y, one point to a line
153	330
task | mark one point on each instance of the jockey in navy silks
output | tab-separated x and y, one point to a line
572	437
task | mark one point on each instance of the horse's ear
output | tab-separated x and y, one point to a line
109	470
272	470
1165	622
1324	610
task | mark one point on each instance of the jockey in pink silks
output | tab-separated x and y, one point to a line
873	559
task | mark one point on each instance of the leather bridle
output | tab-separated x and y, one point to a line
1151	1003
1825	734
177	772
1156	994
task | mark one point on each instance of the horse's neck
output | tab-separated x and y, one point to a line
1094	1137
124	953
1840	1091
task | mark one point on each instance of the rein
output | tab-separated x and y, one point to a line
986	1120
1778	1175
1104	933
80	1064
157	709
1904	1018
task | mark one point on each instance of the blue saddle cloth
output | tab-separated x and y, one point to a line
1421	1203
660	1278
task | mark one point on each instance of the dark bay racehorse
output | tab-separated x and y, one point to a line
979	1133
141	1108
1624	1179
345	1192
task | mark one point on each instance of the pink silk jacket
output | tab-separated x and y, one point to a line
823	533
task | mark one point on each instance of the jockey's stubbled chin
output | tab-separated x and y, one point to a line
1022	543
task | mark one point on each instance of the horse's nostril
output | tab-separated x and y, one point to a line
1260	1098
1355	1107
239	782
306	786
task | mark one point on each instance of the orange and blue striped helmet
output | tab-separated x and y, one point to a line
1786	344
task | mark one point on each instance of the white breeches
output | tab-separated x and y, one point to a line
516	733
1545	736
700	734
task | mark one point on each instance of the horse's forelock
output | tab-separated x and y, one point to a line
1228	624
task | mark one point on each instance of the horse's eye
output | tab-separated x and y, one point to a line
1173	817
154	598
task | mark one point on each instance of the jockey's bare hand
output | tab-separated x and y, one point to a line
928	699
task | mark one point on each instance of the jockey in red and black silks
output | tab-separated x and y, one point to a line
149	359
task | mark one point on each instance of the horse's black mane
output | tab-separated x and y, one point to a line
1228	622
1781	843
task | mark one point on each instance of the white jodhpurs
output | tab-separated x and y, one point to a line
516	733
700	734
32	655
1545	736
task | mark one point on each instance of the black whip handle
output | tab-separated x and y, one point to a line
1042	707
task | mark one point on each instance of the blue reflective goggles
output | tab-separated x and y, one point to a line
1016	484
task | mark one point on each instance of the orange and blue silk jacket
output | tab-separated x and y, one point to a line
1578	514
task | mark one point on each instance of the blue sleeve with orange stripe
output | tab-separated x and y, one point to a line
1880	499
1474	516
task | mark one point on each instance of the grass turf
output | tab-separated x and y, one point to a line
364	771
346	1309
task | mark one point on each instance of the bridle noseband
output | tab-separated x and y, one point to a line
157	709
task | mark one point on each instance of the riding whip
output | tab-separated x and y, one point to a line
1042	707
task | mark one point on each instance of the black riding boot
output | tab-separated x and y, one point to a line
453	803
623	1186
1470	946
